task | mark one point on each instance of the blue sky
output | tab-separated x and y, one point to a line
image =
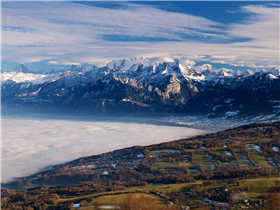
53	35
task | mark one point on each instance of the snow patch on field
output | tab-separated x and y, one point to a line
227	153
254	147
211	201
170	151
275	149
105	172
140	156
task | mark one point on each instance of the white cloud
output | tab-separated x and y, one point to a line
46	23
71	63
53	62
262	27
28	145
238	65
165	59
74	33
209	66
187	62
229	11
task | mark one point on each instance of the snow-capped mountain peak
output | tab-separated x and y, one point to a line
250	72
20	77
83	69
141	69
272	76
125	64
167	86
238	73
275	71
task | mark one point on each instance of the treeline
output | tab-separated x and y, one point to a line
41	197
216	175
121	152
12	200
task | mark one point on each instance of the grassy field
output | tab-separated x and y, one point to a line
166	188
190	150
204	161
243	159
117	199
200	156
259	186
219	152
262	140
260	160
91	195
159	164
163	188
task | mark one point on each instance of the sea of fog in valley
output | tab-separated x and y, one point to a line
31	143
34	140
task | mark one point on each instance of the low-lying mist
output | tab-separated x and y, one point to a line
31	144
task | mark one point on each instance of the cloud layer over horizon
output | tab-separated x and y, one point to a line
29	145
72	33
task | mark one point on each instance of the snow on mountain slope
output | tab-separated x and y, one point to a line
189	73
250	72
204	67
238	73
272	76
275	71
156	75
83	68
129	64
139	68
225	73
20	77
139	85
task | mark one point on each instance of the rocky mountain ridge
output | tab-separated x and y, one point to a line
140	86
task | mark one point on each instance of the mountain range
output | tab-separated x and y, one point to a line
140	86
